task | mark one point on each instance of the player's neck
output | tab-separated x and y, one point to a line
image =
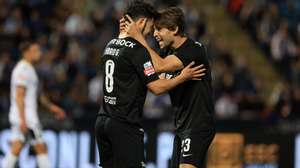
123	35
178	41
26	60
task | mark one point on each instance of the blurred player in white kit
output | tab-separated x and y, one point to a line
23	117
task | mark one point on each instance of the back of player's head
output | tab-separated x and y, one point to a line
171	18
139	8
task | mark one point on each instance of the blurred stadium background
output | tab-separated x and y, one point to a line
254	48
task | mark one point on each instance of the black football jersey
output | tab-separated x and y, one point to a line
192	100
127	69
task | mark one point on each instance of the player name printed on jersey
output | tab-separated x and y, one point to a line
112	51
110	100
122	42
148	69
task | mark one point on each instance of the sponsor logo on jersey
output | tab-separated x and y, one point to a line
168	76
186	155
198	43
148	68
110	100
172	75
122	42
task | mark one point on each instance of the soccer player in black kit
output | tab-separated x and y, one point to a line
193	100
128	73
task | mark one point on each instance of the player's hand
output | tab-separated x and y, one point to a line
194	73
23	126
122	25
58	112
131	28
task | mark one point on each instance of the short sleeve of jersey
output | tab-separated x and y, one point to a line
22	77
192	54
143	65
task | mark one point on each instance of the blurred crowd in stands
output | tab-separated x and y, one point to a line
274	26
73	33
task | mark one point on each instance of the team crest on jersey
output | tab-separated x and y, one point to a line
148	68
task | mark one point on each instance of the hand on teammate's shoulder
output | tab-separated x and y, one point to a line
193	73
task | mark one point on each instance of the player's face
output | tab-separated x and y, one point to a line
35	52
164	37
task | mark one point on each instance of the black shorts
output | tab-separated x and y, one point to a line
120	144
191	148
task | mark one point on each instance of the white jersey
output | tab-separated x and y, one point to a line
25	75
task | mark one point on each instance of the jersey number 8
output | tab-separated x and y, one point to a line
109	79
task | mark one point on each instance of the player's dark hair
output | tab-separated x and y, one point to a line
170	18
139	8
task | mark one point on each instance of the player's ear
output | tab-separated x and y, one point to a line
143	22
175	32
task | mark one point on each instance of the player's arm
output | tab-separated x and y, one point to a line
20	95
163	85
141	61
168	64
58	112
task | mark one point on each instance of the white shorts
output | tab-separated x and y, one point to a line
33	136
